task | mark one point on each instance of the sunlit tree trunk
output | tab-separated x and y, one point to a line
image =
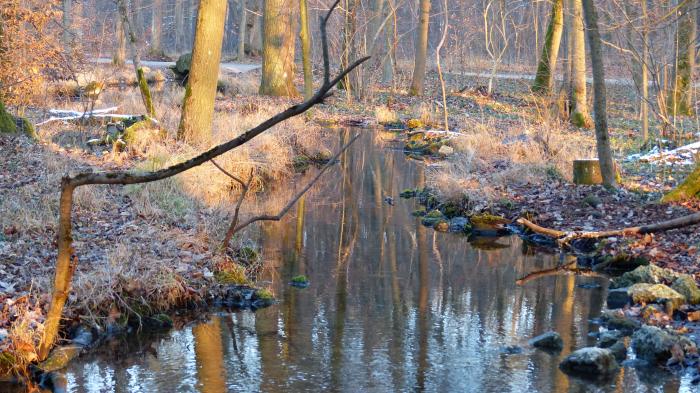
305	36
200	92
119	56
421	49
179	26
607	167
645	74
579	104
209	355
157	27
243	22
680	99
66	20
278	49
389	61
550	51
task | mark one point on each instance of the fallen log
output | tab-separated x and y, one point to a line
564	237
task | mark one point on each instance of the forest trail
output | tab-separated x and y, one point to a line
235	68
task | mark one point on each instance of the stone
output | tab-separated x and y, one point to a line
446	150
183	64
619	350
442	226
656	293
686	286
433	217
619	321
618	298
587	171
549	340
608	338
60	357
654	344
489	225
459	224
590	362
650	274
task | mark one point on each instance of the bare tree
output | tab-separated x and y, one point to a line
544	79
421	55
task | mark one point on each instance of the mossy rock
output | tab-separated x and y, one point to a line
262	298
142	129
649	274
301	163
489	224
7	122
26	127
408	193
183	65
656	293
686	286
432	218
419	212
158	321
300	281
451	210
415	123
617	320
442	226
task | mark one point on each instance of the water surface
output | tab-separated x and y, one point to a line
392	307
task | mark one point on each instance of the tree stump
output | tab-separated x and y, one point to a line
587	171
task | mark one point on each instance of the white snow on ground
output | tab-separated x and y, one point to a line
684	155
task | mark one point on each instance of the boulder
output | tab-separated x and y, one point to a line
619	321
619	350
183	64
686	286
650	274
590	362
489	225
608	338
618	298
459	224
654	344
656	293
432	218
442	226
549	340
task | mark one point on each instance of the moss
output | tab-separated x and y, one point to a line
434	214
25	126
451	210
300	163
264	294
650	274
415	123
7	123
686	190
487	219
145	93
580	120
408	193
300	279
686	286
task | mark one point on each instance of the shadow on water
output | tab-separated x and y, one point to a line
392	306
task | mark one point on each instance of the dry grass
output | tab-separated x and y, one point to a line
489	159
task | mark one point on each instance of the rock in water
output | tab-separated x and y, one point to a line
618	298
549	340
590	362
650	274
618	320
656	293
619	350
183	64
608	338
653	344
459	224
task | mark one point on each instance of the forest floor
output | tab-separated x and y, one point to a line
154	247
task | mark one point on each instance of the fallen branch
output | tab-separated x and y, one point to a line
64	274
564	237
234	228
109	116
561	269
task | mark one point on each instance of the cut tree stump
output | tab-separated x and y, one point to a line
587	171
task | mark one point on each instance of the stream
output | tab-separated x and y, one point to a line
392	307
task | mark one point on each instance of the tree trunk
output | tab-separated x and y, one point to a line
278	50
305	36
119	56
388	69
200	92
242	25
686	190
136	59
607	167
579	104
157	27
680	99
255	36
544	79
66	20
645	74
421	55
179	27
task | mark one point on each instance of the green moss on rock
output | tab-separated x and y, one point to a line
650	274
7	122
686	286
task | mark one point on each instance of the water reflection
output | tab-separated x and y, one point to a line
392	306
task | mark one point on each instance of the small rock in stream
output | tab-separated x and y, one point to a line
608	338
549	340
655	345
590	362
618	298
459	224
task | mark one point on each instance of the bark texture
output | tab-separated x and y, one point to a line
305	36
278	50
417	84
607	167
680	99
578	98
550	51
119	56
200	92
